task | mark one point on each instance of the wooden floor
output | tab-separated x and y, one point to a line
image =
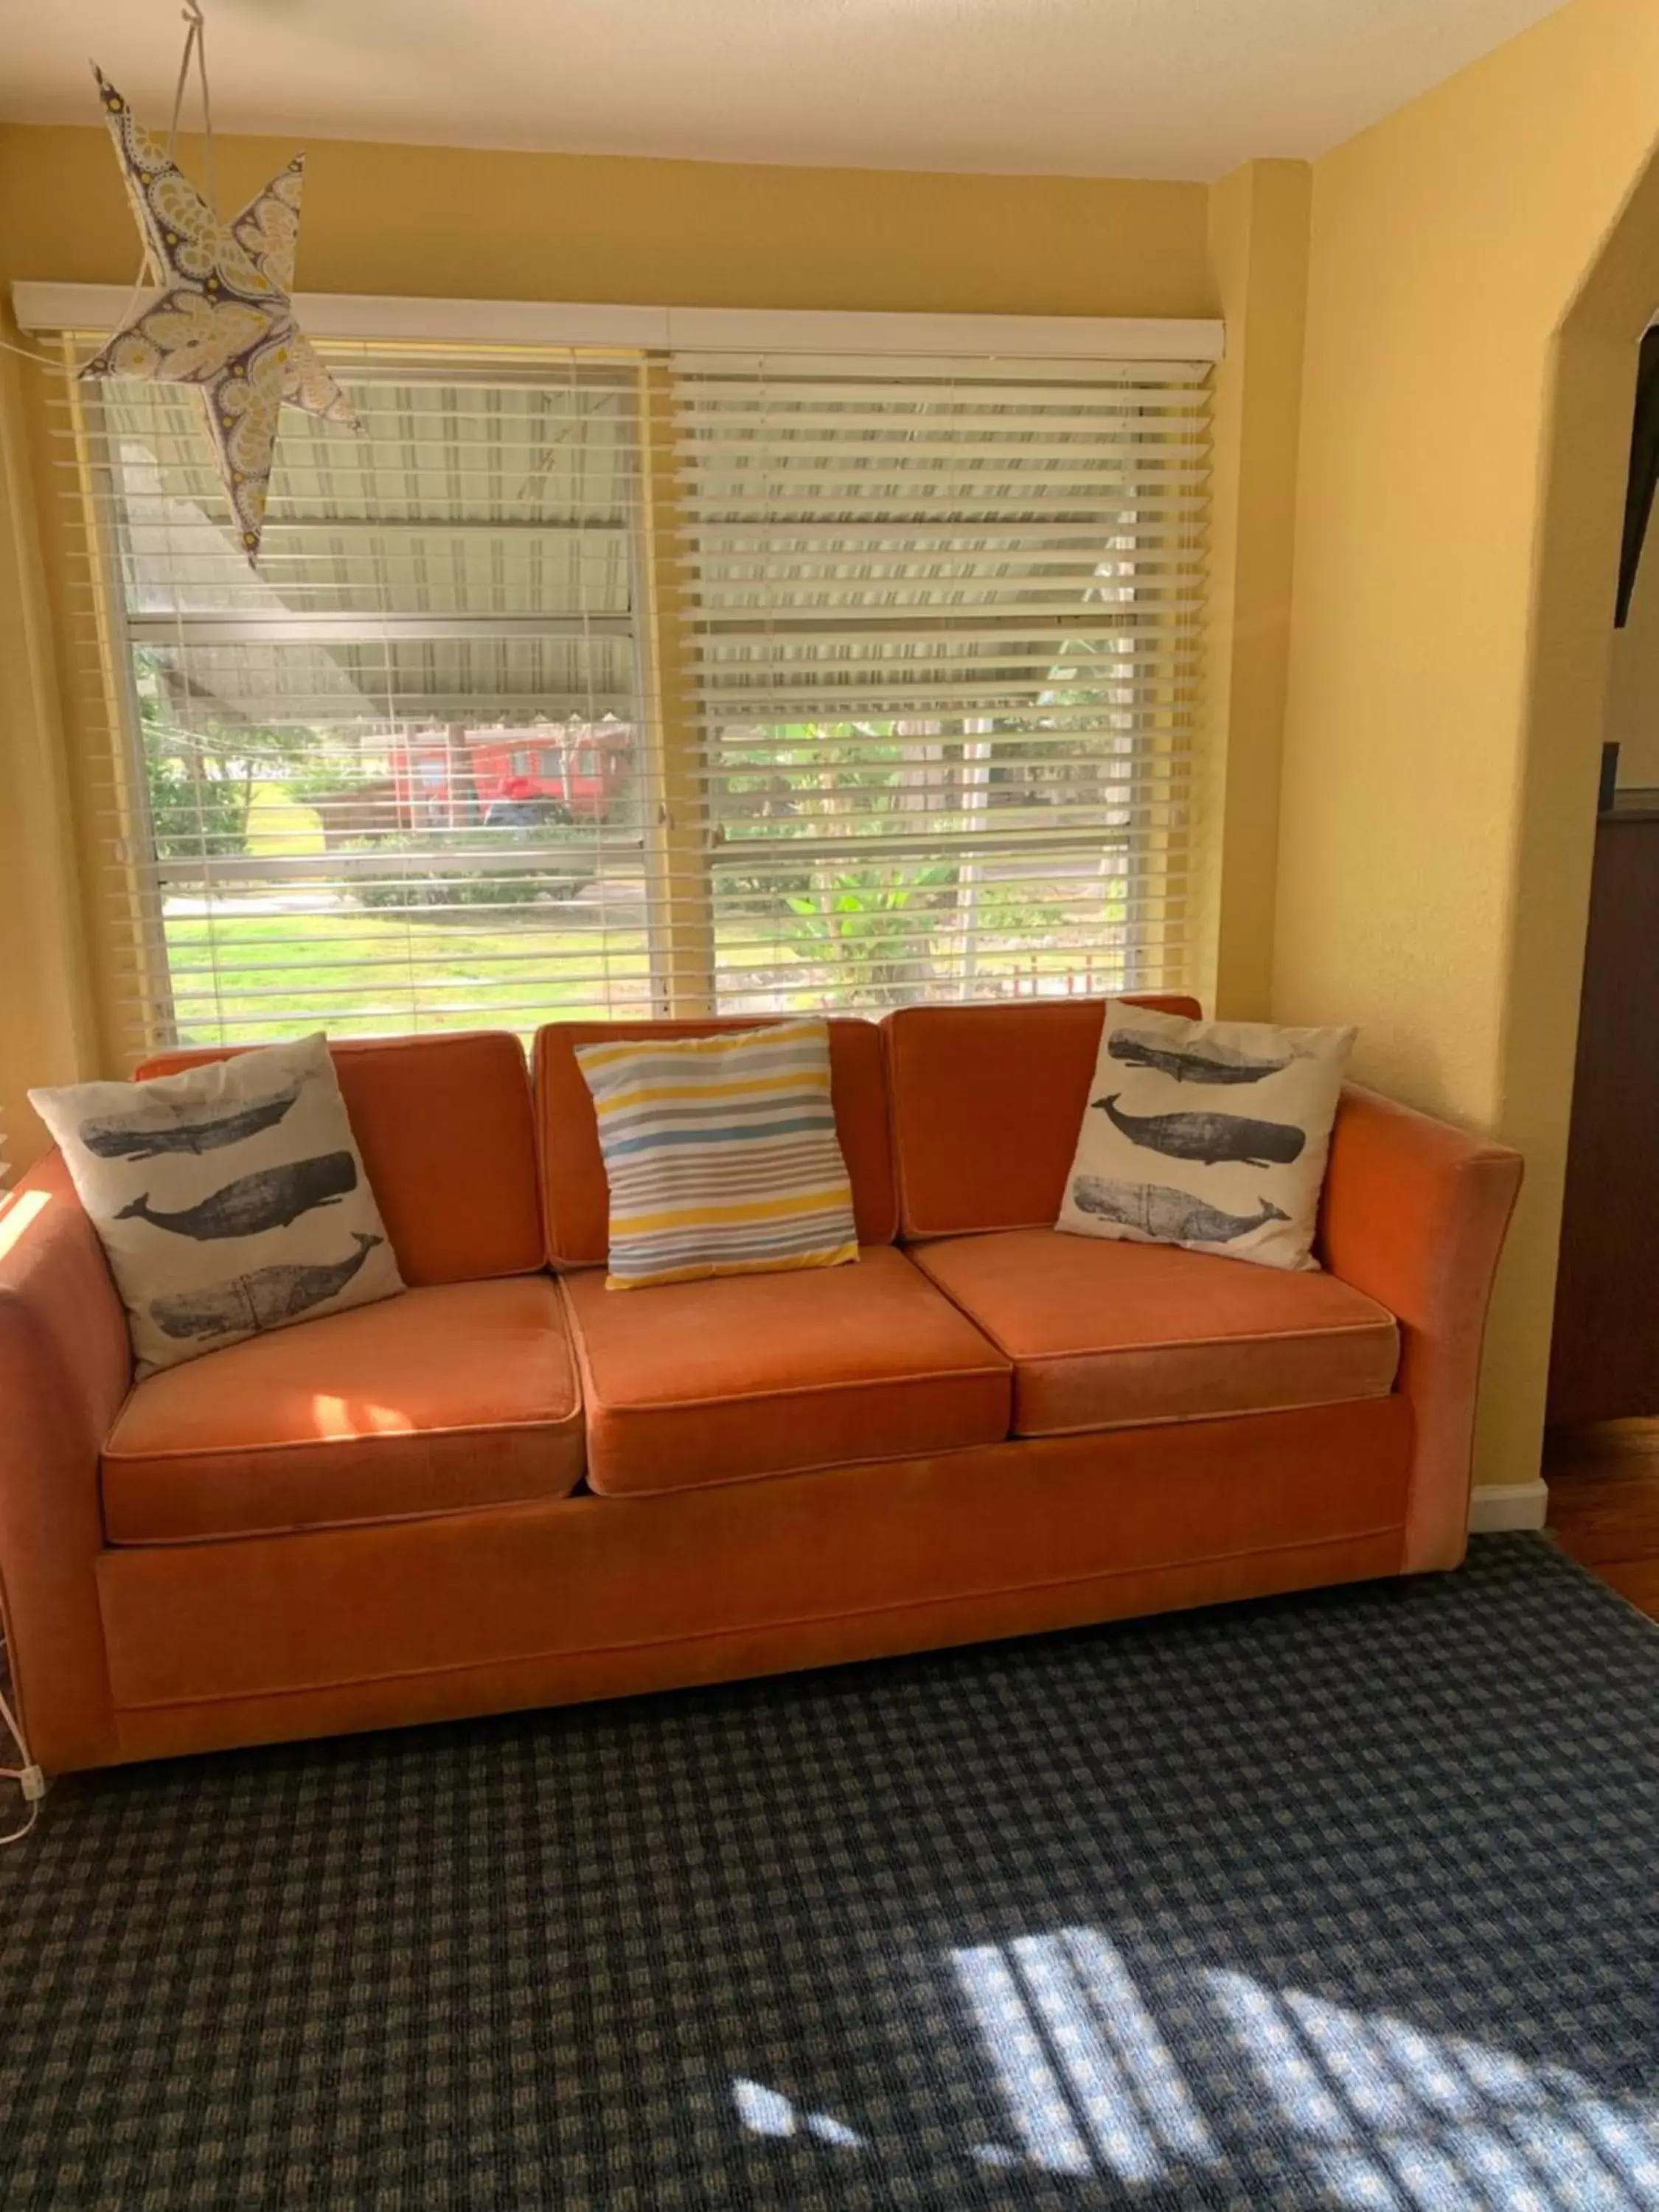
1604	1504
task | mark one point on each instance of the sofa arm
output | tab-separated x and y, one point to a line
1415	1215
65	1368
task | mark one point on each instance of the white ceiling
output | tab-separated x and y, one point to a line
1077	88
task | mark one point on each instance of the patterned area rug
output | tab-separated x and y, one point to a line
1343	1900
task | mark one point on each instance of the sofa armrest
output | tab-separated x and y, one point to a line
1415	1215
65	1364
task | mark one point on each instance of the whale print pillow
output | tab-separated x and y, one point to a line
1209	1134
230	1199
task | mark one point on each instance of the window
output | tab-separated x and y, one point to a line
944	623
341	819
578	685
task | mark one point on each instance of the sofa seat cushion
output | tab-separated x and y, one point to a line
1106	1335
459	1396
722	1380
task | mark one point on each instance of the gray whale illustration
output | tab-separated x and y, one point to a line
264	1298
1216	1063
154	1127
1175	1216
268	1200
1208	1137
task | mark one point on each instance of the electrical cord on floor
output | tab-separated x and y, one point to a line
29	1778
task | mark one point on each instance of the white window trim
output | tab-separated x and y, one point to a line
370	318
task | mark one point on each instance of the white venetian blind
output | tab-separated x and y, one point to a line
584	681
940	628
393	780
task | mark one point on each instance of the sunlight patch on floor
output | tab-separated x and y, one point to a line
1089	2081
765	2112
1380	2115
1393	2117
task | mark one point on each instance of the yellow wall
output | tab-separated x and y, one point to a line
1633	716
45	1024
1459	487
444	223
1259	249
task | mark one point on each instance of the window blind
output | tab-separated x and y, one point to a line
588	683
395	779
941	622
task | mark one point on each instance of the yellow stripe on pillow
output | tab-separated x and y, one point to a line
721	1154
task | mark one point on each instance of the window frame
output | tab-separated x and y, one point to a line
680	856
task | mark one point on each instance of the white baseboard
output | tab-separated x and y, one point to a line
1496	1506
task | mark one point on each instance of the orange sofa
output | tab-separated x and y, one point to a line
512	1487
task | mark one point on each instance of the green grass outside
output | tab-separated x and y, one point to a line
357	973
360	973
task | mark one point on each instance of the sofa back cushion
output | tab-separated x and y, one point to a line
987	1102
445	1129
230	1198
575	1196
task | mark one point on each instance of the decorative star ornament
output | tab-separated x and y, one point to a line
224	322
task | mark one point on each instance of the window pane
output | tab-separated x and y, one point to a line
943	625
360	763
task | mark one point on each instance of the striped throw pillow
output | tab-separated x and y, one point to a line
721	1154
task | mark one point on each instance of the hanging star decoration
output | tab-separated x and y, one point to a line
224	323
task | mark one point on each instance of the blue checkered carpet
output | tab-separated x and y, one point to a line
1343	1900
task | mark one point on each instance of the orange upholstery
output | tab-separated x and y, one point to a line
444	1126
1105	1334
411	1459
758	1374
575	1198
65	1364
987	1105
1415	1215
459	1396
594	1597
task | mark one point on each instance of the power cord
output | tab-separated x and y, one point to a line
30	1779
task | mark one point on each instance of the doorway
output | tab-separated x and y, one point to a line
1601	1455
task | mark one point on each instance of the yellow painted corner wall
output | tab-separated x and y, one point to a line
447	222
1460	470
444	223
1259	249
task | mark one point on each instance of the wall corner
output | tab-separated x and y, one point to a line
1258	232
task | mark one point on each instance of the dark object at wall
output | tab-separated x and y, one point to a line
1643	473
1208	1137
1608	790
1604	1358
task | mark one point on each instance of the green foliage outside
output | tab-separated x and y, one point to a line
197	809
871	925
433	945
200	788
568	852
360	972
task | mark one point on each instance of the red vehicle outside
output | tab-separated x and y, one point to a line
455	777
